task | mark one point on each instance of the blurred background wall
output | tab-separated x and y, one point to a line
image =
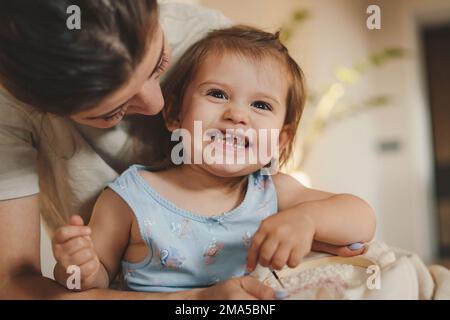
385	154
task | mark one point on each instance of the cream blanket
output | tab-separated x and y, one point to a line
382	272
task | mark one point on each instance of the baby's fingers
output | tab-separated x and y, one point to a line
281	256
76	220
253	252
267	251
70	248
75	244
295	257
89	271
68	232
79	258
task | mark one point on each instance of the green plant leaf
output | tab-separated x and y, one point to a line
347	75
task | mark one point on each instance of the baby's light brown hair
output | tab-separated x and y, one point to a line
251	43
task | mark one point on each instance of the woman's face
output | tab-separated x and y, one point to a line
140	95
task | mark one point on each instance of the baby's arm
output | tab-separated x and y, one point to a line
306	215
339	219
96	249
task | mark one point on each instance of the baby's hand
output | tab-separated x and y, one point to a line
72	245
284	238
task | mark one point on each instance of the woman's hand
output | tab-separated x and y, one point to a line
354	249
243	288
283	238
72	246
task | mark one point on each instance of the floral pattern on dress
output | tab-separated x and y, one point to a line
247	239
212	251
183	229
170	258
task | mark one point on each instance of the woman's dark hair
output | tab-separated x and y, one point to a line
62	71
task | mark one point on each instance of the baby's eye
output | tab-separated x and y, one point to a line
216	93
262	105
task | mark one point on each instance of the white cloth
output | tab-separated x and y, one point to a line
69	164
402	275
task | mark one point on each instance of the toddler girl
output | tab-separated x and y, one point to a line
216	214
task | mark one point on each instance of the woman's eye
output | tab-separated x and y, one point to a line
262	105
219	94
117	116
113	117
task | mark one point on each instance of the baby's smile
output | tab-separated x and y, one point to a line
236	139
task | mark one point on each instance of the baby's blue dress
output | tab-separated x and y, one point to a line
187	250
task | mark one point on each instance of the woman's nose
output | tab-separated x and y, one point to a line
237	114
149	100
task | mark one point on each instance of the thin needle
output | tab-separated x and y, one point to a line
278	279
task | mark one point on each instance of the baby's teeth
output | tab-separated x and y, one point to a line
231	140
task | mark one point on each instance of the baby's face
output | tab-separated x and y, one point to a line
241	105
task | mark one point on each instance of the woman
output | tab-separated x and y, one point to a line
63	135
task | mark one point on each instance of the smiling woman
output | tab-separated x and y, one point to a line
141	94
77	81
63	94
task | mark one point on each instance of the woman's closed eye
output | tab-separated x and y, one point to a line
116	116
162	65
262	105
217	93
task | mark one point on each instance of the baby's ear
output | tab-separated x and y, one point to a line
286	134
171	124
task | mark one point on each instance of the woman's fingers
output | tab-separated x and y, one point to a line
343	251
256	289
242	288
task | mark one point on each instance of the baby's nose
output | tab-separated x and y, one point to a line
237	114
